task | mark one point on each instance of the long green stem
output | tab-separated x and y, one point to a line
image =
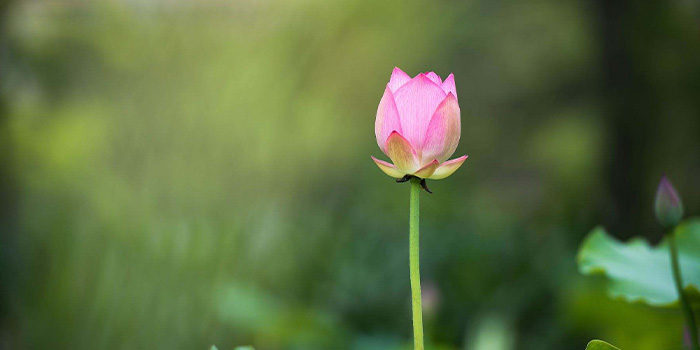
682	297
415	266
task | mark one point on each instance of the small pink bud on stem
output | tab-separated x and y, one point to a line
668	205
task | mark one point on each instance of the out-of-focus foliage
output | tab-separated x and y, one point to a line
600	345
639	272
195	173
213	347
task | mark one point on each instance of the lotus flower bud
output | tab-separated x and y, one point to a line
418	126
668	204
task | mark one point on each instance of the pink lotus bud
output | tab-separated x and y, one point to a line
418	126
668	204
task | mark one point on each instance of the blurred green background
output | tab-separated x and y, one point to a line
176	174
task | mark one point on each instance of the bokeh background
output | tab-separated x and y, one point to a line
177	174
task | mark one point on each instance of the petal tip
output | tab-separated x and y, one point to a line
448	85
425	78
388	168
398	79
448	168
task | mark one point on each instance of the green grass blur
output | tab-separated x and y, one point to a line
182	174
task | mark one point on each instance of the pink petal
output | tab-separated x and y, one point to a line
447	168
388	168
398	79
449	85
434	77
401	153
387	119
417	101
427	170
442	136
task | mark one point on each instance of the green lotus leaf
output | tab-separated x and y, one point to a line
600	345
639	272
